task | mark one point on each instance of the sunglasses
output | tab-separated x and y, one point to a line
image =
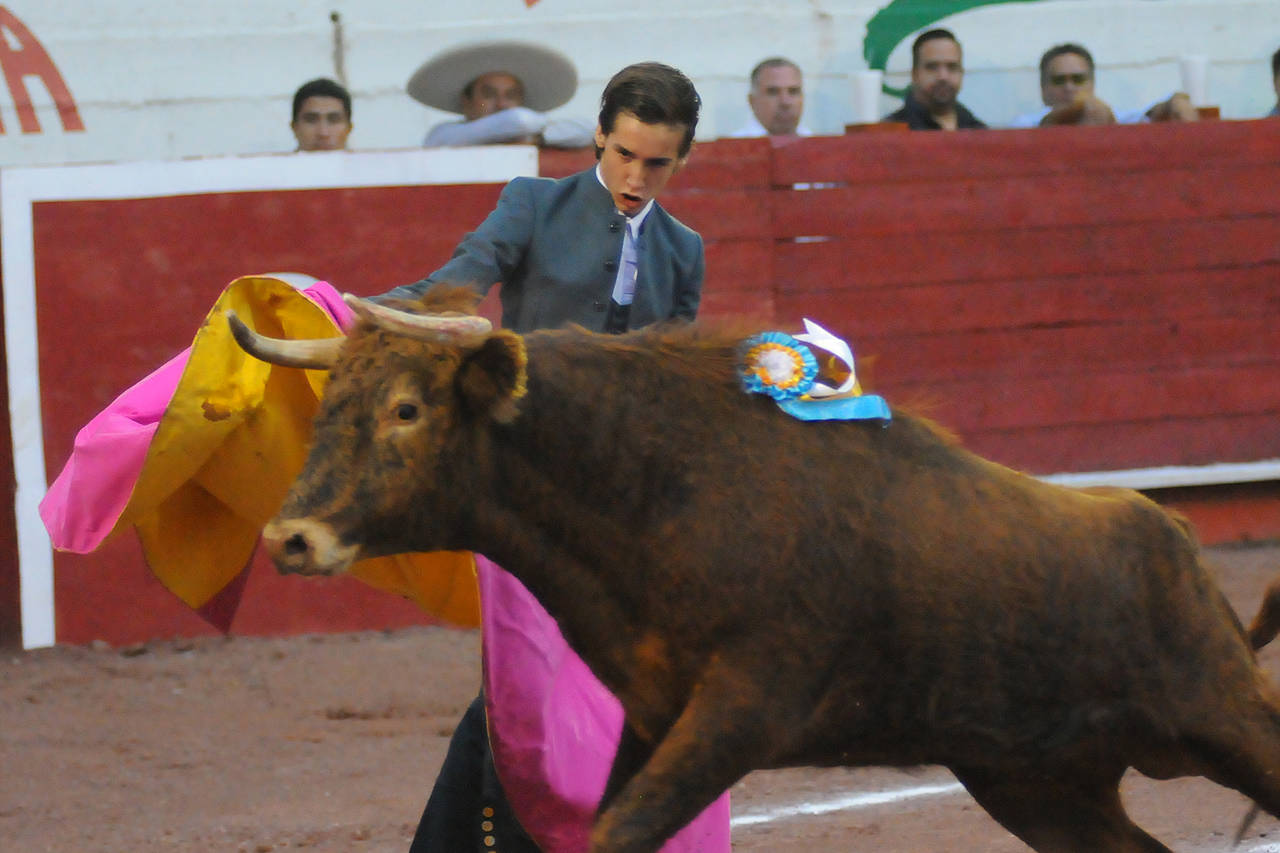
1061	79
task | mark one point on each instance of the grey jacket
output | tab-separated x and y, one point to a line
554	245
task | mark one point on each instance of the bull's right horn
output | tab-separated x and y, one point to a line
312	353
431	327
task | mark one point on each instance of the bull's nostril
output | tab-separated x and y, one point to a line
295	545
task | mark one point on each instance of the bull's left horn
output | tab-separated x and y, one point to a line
312	353
431	327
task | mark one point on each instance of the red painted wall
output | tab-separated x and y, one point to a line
132	294
1068	299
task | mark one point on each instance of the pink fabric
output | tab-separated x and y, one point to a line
553	725
93	488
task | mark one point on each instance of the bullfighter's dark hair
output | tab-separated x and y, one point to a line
1275	64
655	94
321	87
927	36
1062	50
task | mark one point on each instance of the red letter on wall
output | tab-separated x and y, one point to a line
30	59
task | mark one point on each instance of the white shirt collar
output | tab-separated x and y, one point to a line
633	221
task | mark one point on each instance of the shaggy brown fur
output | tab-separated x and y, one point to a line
760	592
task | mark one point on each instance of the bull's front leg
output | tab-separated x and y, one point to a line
730	726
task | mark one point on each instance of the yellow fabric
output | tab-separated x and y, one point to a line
230	443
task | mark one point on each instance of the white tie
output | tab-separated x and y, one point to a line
624	286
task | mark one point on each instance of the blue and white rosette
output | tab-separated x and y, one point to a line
777	364
811	376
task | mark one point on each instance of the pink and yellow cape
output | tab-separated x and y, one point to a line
198	455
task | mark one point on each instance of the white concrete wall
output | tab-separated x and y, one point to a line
159	79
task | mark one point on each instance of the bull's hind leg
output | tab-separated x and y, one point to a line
1061	814
1240	752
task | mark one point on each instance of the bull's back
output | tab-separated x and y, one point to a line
965	606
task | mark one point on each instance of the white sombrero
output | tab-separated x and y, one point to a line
548	77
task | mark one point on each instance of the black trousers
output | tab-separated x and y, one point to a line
468	810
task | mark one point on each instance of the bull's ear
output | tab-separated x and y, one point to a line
492	377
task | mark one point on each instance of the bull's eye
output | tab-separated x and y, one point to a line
406	411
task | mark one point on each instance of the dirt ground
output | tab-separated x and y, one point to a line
330	744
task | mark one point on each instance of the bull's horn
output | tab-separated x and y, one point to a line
312	353
431	327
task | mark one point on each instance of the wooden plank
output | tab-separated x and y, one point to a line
1084	197
188	248
739	279
561	162
1240	512
941	157
1029	253
1111	446
725	214
1057	351
1102	396
726	164
1068	300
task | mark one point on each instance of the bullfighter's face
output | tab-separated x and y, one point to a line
637	160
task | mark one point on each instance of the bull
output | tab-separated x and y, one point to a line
761	592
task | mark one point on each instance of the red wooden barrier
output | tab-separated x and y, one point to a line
155	266
1067	300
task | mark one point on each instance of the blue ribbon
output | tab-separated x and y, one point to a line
868	407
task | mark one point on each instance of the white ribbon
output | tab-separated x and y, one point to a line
820	338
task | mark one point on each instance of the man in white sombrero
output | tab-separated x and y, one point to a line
503	90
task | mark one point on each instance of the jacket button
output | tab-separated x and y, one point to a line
610	266
615	227
599	305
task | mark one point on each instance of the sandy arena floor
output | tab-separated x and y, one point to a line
330	744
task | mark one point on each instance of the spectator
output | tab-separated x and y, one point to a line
598	250
937	72
502	90
321	115
1066	87
1275	82
777	100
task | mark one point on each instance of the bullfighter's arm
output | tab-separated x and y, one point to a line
489	254
688	292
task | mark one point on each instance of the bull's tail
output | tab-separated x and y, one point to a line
1266	624
1254	811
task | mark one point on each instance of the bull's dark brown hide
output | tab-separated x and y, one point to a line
761	592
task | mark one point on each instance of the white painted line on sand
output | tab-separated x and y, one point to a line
848	801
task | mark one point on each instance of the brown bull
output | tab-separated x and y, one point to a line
761	592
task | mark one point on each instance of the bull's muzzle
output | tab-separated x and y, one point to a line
307	547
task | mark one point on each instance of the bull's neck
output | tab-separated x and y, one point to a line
578	484
590	448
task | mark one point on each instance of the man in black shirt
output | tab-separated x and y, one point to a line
937	71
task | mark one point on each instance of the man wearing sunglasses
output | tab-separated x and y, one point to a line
1066	87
